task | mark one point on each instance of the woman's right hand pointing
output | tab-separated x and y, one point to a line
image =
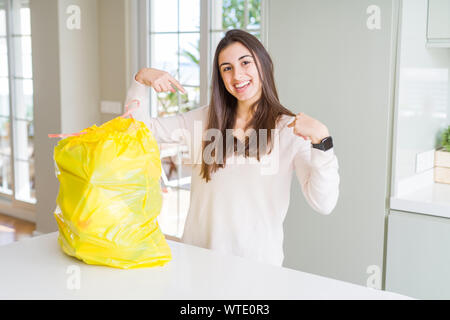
159	80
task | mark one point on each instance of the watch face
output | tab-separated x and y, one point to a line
327	143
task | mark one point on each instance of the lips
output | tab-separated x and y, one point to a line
240	87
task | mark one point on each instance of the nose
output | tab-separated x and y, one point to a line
238	73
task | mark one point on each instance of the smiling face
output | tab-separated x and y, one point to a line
239	73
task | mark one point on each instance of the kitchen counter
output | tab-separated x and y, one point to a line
36	268
432	199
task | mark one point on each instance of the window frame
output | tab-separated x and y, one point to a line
12	95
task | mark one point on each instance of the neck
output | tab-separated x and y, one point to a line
244	109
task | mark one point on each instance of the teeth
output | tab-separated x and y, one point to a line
242	84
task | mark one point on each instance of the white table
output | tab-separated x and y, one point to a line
36	268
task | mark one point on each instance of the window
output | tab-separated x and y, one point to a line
182	38
174	47
16	102
234	14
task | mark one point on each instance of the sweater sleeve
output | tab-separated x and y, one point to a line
171	129
317	172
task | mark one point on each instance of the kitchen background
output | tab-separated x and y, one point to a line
375	72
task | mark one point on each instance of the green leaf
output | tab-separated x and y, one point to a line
446	139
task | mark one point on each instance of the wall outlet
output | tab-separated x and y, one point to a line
114	107
424	161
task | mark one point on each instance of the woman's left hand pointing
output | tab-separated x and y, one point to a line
309	128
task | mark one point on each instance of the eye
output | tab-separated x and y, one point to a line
245	62
226	69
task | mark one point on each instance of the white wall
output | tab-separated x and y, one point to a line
66	86
47	105
73	71
79	60
113	50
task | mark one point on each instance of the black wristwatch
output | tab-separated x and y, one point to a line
325	144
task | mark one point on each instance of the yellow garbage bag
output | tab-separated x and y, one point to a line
109	196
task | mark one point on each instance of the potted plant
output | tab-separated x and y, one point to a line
442	159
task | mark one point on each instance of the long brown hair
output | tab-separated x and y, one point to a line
223	105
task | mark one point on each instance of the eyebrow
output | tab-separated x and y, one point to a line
247	55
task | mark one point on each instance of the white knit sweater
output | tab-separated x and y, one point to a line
241	210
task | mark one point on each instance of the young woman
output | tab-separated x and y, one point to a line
238	206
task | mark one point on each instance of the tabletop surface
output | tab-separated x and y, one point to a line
36	268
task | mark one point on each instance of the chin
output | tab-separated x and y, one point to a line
246	98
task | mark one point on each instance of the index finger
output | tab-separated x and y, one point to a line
176	84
